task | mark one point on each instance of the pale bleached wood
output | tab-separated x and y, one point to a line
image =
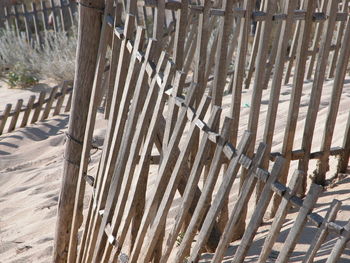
28	111
323	165
322	231
254	50
285	35
149	107
316	41
49	103
293	47
179	56
223	192
160	218
255	104
164	174
4	117
90	28
339	41
316	91
259	212
280	216
94	102
115	181
166	163
38	107
220	71
298	83
294	233
339	245
204	201
115	123
189	192
237	82
116	48
15	115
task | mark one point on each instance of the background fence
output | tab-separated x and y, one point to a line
34	21
21	115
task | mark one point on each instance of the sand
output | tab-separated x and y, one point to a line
31	167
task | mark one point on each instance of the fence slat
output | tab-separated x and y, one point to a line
225	187
259	212
292	238
26	23
322	165
116	123
54	16
61	98
160	218
5	116
280	216
163	176
28	111
16	113
298	82
339	41
45	16
38	107
36	25
339	245
203	203
49	104
316	91
322	232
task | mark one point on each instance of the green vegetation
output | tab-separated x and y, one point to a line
22	65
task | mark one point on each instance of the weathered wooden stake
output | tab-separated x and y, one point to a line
88	41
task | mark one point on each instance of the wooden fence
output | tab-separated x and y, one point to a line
34	21
21	115
160	101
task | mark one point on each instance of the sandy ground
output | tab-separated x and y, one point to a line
31	167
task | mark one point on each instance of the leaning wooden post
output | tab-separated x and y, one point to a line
88	42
